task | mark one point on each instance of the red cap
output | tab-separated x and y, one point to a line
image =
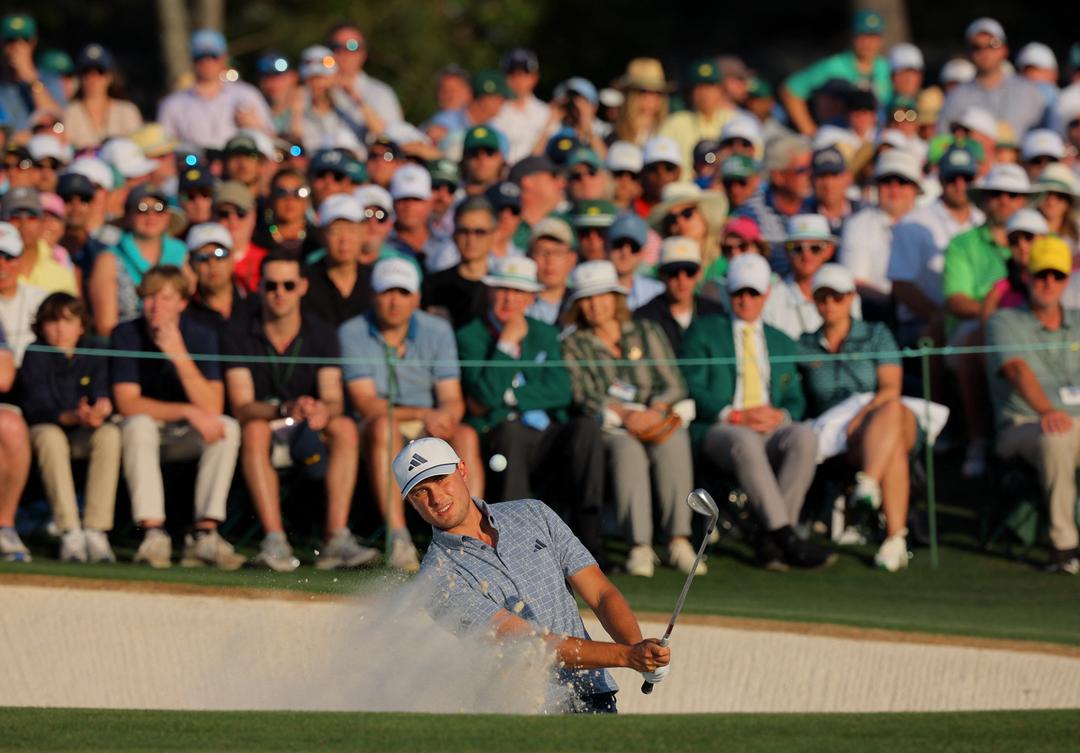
744	227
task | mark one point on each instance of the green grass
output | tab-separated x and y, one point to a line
89	730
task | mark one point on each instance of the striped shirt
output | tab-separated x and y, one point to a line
828	383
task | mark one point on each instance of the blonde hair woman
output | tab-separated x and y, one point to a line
646	105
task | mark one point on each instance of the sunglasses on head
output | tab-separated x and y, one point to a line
374	213
1047	274
825	294
487	151
217	252
746	291
674	217
150	207
620	243
472	232
291	193
229	213
796	247
271	286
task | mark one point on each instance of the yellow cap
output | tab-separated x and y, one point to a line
1050	252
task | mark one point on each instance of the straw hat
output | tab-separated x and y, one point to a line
646	74
713	204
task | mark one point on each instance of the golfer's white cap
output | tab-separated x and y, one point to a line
422	459
393	273
749	271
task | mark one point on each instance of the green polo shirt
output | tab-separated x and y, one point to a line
1011	329
843	66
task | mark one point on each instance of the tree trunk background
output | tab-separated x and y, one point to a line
174	30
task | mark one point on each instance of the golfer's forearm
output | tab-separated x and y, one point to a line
578	653
617	618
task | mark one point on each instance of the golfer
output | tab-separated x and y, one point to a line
503	569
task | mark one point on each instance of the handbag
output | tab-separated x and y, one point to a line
659	432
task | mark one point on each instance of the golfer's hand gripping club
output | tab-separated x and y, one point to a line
651	678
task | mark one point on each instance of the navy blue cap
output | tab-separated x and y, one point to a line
531	166
828	161
94	56
504	195
520	59
561	146
195	177
957	160
75	184
271	64
706	152
308	452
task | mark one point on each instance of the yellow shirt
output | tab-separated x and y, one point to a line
687	128
49	274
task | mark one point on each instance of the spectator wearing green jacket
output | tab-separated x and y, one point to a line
519	405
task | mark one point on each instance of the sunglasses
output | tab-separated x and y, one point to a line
956	177
894	180
23	214
486	151
662	167
820	296
71	198
385	155
745	291
1021	235
48	163
197	58
623	243
1000	194
674	217
8	257
198	193
349	45
218	252
993	45
730	182
735	247
625	174
1074	123
512	209
473	232
1040	161
330	175
92	69
797	248
228	214
291	193
150	207
579	175
443	187
905	116
1047	274
379	215
677	272
584	231
271	286
737	141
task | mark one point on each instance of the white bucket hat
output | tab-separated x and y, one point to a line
594	278
514	272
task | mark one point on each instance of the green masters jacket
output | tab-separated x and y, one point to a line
713	385
534	387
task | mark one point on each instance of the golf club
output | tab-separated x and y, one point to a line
701	502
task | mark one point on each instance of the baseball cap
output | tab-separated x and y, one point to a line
503	195
705	152
749	271
340	206
661	149
520	58
561	145
272	63
828	161
128	159
1038	142
195	177
984	25
329	160
94	55
957	71
743	126
744	227
898	163
555	228
957	160
93	169
236	193
422	459
489	83
867	22
1050	252
629	226
979	120
809	227
372	195
142	192
1027	220
23	199
252	143
481	136
732	66
833	277
737	167
18	26
46	146
444	171
208	232
1036	55
209	42
758	88
51	203
594	278
593	213
622	156
154	140
56	61
679	251
1005	177
583	155
395	273
906	56
73	184
514	272
410	182
317	60
531	166
10	240
583	88
704	71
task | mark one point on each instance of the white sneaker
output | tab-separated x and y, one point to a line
73	546
210	549
403	555
344	551
276	554
975	459
867	492
641	561
12	549
893	554
681	556
97	546
155	549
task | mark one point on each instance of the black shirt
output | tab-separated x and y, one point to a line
244	309
324	300
464	299
157	376
281	380
297	248
51	383
657	310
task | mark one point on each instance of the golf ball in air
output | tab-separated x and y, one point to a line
497	463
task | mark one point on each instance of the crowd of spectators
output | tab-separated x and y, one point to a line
597	300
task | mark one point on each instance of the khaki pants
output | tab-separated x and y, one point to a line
1056	457
55	448
149	443
636	469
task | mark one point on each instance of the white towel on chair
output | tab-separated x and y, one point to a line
831	426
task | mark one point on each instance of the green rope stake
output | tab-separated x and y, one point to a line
926	346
